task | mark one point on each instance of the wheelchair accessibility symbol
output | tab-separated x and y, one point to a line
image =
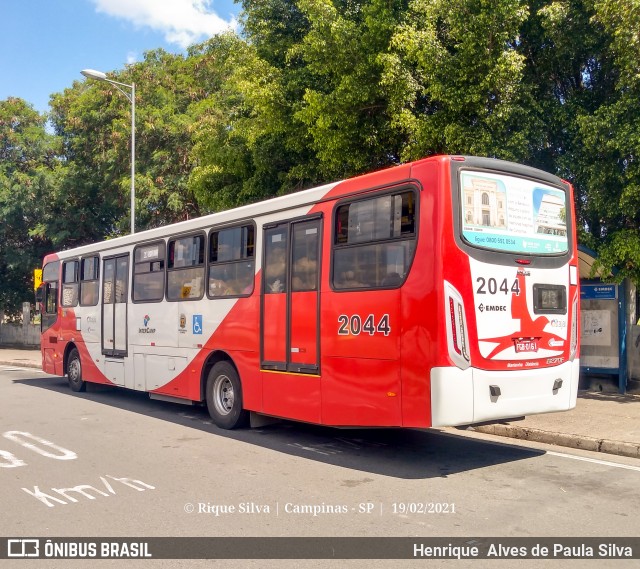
197	323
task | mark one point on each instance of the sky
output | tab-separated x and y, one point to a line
44	44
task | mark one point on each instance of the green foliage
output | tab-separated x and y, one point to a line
95	122
228	134
247	145
346	107
457	79
619	256
29	168
609	135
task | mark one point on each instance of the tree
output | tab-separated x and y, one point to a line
90	203
29	170
302	101
226	126
347	106
94	120
610	137
456	75
357	85
247	145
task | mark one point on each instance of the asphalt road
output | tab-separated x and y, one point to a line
114	463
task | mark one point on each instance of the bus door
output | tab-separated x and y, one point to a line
290	308
114	312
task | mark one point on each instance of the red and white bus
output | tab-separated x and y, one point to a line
440	292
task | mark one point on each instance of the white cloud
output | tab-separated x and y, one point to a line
183	22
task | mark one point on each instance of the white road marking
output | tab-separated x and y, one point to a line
20	436
7	460
595	461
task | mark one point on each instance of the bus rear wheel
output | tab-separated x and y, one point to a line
224	397
74	372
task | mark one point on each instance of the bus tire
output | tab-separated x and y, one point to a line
224	397
74	372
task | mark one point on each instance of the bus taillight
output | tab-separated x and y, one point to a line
573	345
454	331
457	338
463	333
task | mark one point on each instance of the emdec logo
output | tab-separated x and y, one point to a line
492	307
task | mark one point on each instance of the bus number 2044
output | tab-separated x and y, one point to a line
354	325
491	285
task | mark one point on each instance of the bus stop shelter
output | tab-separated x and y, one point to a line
609	337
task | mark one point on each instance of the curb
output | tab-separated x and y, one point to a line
21	363
619	448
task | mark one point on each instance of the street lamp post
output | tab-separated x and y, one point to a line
100	76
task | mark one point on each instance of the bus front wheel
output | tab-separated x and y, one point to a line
224	397
74	372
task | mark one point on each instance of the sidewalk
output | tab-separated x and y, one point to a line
20	357
602	422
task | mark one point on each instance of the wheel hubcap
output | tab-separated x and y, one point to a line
223	395
74	370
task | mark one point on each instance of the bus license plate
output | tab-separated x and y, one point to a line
526	344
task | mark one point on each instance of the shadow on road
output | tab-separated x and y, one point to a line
399	453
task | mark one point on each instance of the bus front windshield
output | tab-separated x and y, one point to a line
512	214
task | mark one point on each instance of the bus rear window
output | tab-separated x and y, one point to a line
512	214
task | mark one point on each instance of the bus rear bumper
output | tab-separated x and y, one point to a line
463	397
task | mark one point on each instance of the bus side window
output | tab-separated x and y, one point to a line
89	285
231	262
305	257
50	301
374	241
51	298
148	273
185	268
70	284
275	260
